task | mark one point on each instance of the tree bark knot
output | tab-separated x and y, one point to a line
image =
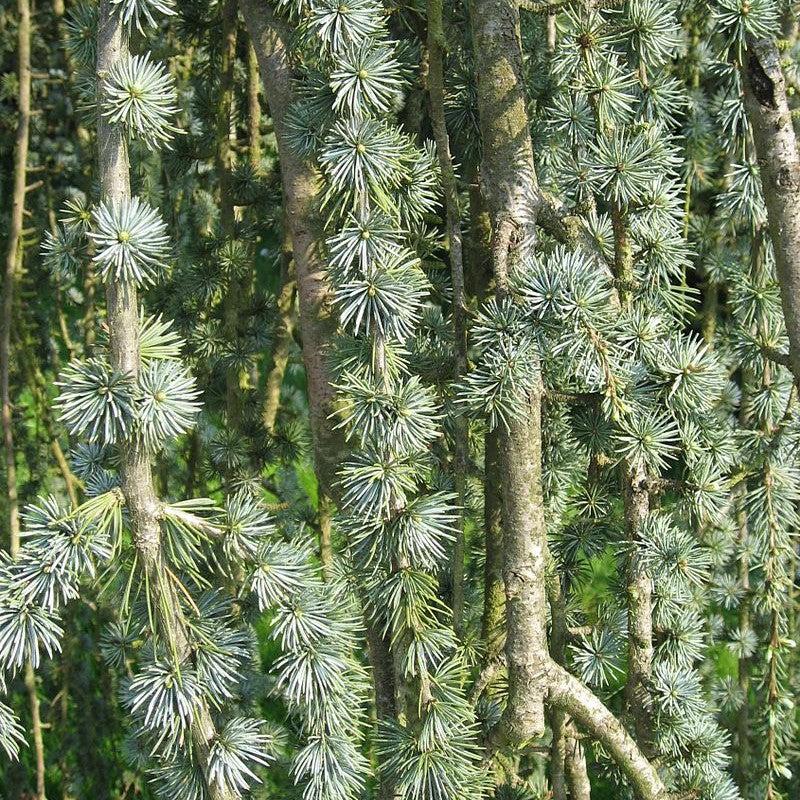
761	83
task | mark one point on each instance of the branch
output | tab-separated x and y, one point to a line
569	694
776	356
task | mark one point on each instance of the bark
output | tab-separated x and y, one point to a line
492	623
566	692
283	342
639	590
575	767
238	286
779	165
636	502
436	49
317	322
568	773
300	186
13	256
253	109
325	516
122	311
557	717
512	195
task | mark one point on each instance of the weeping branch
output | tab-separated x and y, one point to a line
122	311
436	50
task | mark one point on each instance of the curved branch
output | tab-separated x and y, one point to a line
566	692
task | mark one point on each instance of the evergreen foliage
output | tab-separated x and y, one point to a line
288	612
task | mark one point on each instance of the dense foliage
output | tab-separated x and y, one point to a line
399	401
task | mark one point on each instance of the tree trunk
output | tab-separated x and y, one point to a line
492	627
436	47
512	195
123	334
566	692
283	343
639	588
779	166
317	324
13	249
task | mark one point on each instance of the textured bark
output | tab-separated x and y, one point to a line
568	775
639	590
575	767
492	622
283	341
779	166
300	186
317	323
436	48
512	195
636	502
13	255
566	692
122	312
253	108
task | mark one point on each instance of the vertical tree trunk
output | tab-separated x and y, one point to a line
636	502
639	589
575	767
317	323
253	109
436	49
512	194
283	341
13	248
12	261
779	166
123	333
492	622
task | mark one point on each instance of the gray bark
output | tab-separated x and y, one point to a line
566	692
123	324
779	165
512	195
269	36
300	186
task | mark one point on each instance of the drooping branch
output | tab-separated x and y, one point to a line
512	194
436	49
567	693
269	36
123	334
